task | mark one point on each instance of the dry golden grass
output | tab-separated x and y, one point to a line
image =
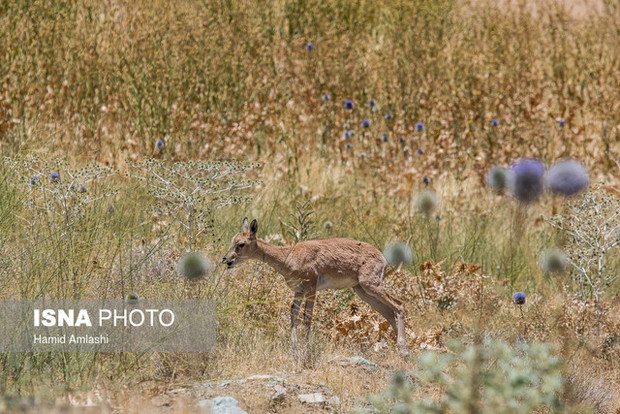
102	82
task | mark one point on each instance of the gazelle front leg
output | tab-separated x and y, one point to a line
294	312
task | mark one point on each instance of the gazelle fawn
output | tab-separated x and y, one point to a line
314	265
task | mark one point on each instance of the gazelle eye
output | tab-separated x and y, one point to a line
241	245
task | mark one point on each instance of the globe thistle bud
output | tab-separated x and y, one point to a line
567	177
384	137
34	180
399	379
419	126
365	123
561	122
401	140
328	225
194	266
519	298
388	116
420	151
348	146
397	253
494	122
363	155
497	178
348	134
55	177
160	144
426	181
372	103
348	104
552	260
426	201
132	298
309	47
326	97
526	180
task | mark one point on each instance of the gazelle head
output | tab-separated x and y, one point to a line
242	244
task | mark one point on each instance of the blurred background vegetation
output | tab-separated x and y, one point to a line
98	83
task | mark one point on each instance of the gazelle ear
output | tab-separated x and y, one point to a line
245	227
253	229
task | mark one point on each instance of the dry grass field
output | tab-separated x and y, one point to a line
441	91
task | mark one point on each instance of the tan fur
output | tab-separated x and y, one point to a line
314	265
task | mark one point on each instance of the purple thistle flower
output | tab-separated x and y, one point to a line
160	144
426	181
348	146
419	126
385	137
519	298
348	104
561	122
309	47
401	140
348	134
54	177
34	180
526	180
420	151
567	177
388	116
366	123
494	122
326	97
372	103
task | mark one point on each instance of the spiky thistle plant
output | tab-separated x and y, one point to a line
52	187
567	177
398	253
552	260
590	223
526	180
132	298
426	202
488	377
194	266
190	191
497	178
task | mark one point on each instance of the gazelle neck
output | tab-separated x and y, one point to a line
274	256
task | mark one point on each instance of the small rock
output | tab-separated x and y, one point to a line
359	361
334	401
280	393
225	383
313	398
220	405
261	377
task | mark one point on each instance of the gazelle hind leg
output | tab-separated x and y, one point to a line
371	282
377	305
294	313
